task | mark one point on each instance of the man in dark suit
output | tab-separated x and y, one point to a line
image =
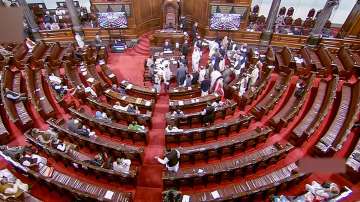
185	48
167	46
181	74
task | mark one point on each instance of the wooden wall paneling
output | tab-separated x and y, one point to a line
147	15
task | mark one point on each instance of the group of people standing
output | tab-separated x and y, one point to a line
226	61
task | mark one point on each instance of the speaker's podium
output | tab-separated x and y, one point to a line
118	46
170	23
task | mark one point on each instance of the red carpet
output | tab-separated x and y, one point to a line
130	66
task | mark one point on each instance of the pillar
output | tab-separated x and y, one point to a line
76	25
315	35
351	22
30	19
270	21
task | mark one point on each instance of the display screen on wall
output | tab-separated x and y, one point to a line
220	21
112	20
226	17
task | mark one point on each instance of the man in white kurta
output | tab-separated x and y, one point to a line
213	47
254	75
79	40
196	57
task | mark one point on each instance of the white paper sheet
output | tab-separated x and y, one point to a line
185	198
215	194
109	195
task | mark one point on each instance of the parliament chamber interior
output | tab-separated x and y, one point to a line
180	100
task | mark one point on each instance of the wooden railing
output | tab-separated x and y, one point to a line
291	41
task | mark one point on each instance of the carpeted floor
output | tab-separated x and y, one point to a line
130	66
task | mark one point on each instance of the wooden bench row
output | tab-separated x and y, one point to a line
192	103
252	190
196	117
227	170
15	111
205	133
346	115
37	94
320	107
71	186
117	114
243	140
97	144
272	97
110	127
291	108
73	157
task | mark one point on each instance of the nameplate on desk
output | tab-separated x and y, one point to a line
107	91
175	90
181	103
123	82
147	103
101	62
111	75
123	97
189	88
168	52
